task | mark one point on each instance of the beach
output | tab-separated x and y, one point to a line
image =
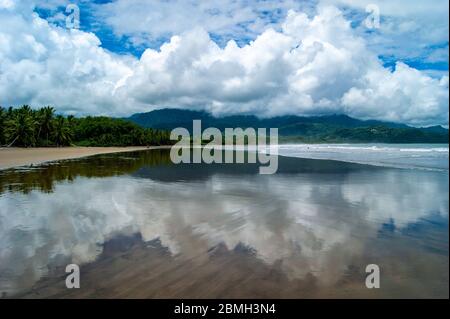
140	226
15	157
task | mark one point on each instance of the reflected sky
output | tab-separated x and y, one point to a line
314	218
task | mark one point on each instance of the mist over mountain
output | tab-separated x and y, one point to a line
328	128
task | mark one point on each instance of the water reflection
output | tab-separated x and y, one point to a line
318	222
45	176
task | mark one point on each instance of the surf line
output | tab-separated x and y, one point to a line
236	141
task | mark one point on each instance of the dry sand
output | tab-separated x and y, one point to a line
13	157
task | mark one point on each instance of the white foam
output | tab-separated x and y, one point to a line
423	156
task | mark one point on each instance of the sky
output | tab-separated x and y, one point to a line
375	59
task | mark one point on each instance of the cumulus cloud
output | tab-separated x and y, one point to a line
146	21
409	30
311	65
42	64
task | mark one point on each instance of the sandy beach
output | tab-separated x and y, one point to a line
15	157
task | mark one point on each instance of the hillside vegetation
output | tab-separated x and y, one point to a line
326	129
27	127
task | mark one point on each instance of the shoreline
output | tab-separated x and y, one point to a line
16	157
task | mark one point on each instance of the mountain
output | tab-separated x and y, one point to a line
329	128
436	129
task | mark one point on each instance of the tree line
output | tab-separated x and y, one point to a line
26	127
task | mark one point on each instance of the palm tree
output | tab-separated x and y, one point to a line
62	131
2	125
46	122
71	121
20	128
26	109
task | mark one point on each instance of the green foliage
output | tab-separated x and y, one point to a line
20	126
45	120
62	132
370	134
378	134
105	131
2	125
314	129
27	127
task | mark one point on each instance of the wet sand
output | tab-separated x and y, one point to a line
141	227
130	268
15	157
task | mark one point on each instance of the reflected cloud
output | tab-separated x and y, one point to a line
310	223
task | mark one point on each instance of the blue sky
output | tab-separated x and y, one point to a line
90	23
263	57
93	20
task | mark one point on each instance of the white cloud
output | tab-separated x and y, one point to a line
146	21
311	65
42	64
401	95
409	30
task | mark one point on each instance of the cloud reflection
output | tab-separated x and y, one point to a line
314	223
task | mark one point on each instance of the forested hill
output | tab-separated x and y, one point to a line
332	128
43	127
